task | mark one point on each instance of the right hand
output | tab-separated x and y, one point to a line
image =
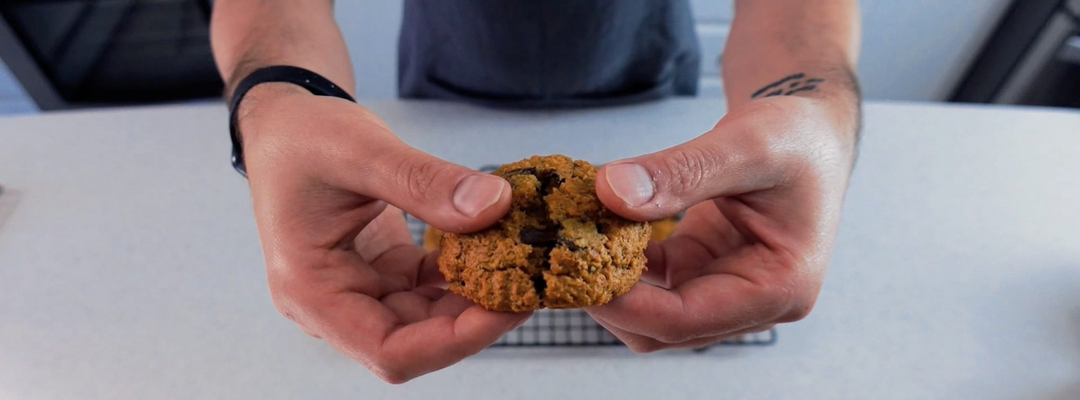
340	262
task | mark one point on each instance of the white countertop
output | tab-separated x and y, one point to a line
130	267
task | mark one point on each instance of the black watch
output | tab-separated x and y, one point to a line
311	81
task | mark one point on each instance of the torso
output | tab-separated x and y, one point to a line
547	53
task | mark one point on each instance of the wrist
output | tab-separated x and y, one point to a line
845	110
833	94
258	98
248	98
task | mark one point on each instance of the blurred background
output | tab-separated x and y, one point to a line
64	54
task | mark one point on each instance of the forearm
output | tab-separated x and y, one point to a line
249	34
814	43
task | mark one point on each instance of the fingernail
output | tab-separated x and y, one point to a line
477	193
631	183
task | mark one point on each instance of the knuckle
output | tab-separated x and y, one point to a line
419	176
799	305
291	289
686	167
793	289
285	305
797	312
284	301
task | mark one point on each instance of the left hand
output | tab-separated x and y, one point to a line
764	190
327	177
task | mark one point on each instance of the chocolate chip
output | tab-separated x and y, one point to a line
538	237
544	238
549	180
520	171
539	284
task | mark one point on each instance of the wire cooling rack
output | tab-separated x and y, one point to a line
574	328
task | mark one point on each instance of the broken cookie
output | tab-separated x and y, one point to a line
558	247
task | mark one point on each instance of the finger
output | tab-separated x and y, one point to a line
635	342
643	344
429	272
386	232
377	337
737	156
445	195
702	307
336	297
415	305
399	338
343	145
449	304
684	250
677	260
424	303
436	343
387	246
656	272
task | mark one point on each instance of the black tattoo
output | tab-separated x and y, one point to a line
795	83
802	89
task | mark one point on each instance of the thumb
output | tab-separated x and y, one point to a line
443	194
722	162
446	195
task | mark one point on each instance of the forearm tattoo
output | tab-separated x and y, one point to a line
788	86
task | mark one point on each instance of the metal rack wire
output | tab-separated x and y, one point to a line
574	328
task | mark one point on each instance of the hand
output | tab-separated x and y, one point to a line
340	261
764	190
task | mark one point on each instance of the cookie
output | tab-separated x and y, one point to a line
663	228
558	247
431	238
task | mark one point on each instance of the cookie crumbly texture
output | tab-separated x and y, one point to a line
558	247
661	229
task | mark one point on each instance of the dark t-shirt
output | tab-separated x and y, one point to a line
547	53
